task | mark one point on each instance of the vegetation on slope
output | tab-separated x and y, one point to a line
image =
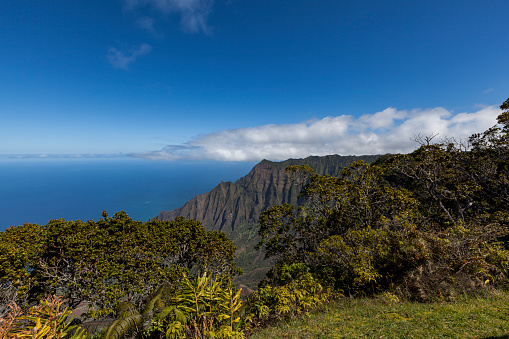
101	263
234	208
430	226
427	224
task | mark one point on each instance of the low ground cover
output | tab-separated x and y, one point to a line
386	317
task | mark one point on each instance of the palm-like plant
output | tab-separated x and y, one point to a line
201	307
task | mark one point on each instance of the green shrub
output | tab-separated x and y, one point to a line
200	307
103	262
300	294
48	320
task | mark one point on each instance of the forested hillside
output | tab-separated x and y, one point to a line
234	208
428	226
230	204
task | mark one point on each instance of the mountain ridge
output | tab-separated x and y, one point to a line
266	185
235	207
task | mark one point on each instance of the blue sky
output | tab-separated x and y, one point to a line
247	80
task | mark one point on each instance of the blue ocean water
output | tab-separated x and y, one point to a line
38	190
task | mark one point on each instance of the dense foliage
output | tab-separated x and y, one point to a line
427	224
103	262
201	307
49	319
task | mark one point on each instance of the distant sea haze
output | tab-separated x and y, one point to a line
38	190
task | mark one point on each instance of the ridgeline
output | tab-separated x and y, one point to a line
234	208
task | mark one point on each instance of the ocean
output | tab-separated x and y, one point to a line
38	190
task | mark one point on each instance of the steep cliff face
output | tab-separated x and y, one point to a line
235	208
230	204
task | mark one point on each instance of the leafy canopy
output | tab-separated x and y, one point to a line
431	222
101	262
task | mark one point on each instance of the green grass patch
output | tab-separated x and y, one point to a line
386	317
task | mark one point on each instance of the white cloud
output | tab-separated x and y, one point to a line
146	23
193	13
388	131
120	60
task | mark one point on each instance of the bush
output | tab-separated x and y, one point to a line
200	307
47	320
299	294
105	261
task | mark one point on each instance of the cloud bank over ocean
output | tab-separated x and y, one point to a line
387	131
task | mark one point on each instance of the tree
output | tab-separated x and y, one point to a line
356	199
20	248
114	258
437	218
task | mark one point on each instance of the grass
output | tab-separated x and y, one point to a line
386	317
